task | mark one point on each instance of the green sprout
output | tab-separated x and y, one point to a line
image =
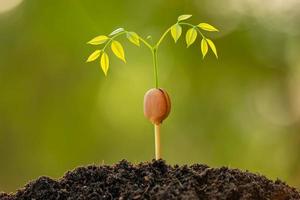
157	104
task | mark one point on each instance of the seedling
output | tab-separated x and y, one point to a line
157	104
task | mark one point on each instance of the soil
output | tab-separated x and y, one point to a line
154	180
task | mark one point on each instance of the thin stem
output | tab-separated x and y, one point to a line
154	56
111	39
156	69
157	142
162	37
146	43
191	25
117	35
188	24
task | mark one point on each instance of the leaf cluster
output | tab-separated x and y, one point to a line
192	33
175	30
115	46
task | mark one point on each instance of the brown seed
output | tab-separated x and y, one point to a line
157	105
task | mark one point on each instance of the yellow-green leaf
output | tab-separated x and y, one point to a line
191	36
183	17
212	46
104	63
118	50
207	27
98	40
204	47
118	30
93	56
134	38
176	31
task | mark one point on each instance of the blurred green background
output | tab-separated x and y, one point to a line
57	112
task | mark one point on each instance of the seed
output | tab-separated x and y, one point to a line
157	105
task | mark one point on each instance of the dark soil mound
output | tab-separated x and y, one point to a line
155	180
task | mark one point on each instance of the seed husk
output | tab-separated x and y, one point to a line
157	105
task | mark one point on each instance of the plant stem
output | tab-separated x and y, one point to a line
122	33
191	25
111	39
157	142
155	47
162	37
146	43
154	56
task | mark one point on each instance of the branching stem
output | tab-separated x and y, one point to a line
193	26
112	38
146	43
153	48
162	37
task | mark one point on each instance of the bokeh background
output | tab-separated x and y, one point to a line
57	112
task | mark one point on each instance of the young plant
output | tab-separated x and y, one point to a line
157	104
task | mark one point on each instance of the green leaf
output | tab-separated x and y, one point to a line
104	63
149	37
93	56
204	47
191	36
118	30
98	40
118	50
212	46
207	27
183	17
134	38
176	31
